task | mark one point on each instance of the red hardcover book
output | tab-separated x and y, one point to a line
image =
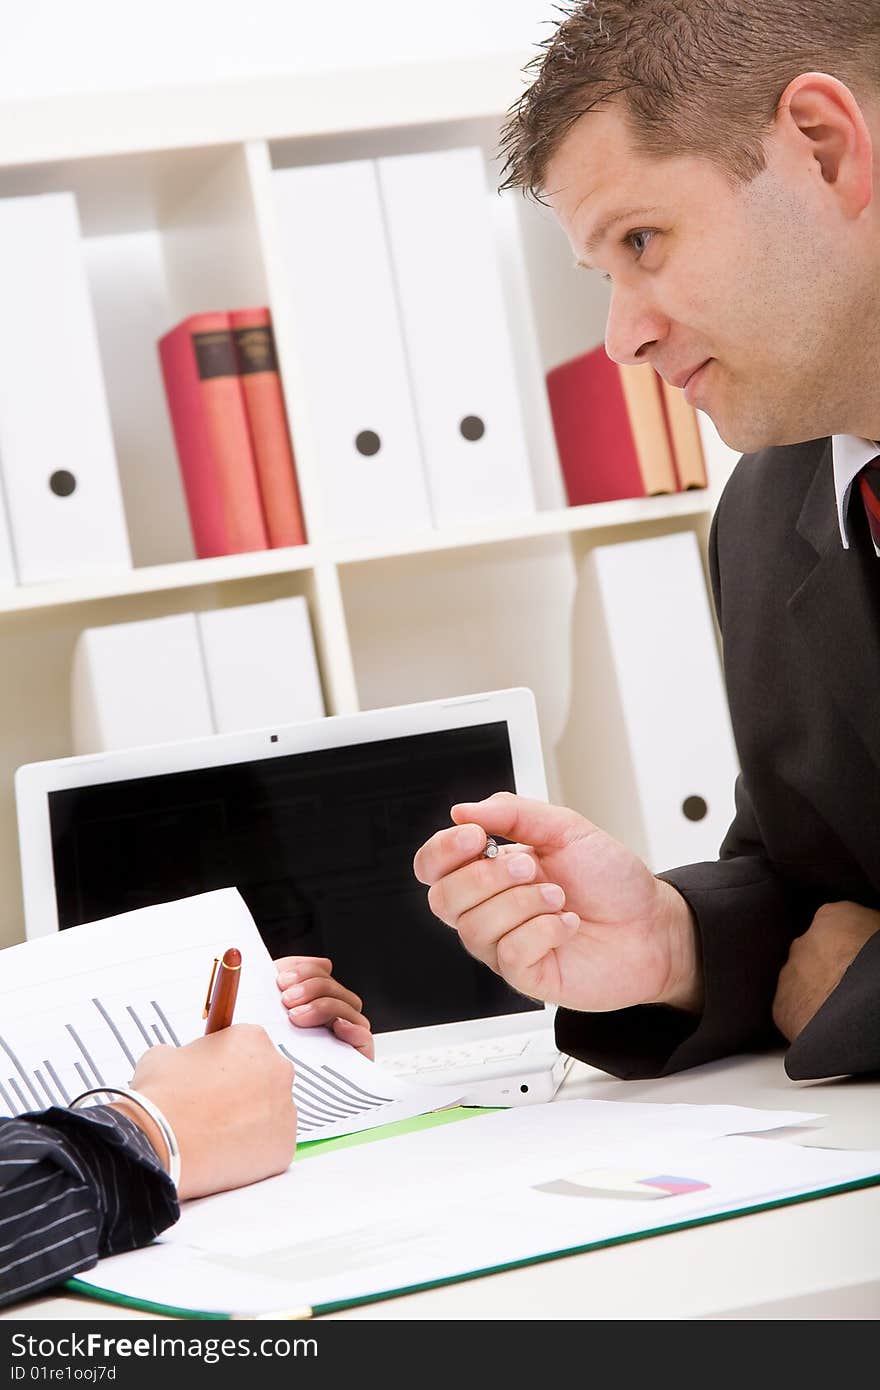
610	429
270	437
684	434
212	436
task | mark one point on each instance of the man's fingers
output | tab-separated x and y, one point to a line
490	925
522	949
521	818
459	892
524	956
447	851
462	884
494	897
515	818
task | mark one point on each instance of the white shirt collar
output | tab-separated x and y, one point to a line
850	456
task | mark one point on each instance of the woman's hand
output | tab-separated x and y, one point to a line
311	997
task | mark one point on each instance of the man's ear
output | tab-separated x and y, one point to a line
820	120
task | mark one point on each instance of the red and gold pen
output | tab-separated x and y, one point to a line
222	990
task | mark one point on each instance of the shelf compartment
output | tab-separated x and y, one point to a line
634	511
185	574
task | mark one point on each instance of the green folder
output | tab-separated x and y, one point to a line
307	1149
366	1136
315	1148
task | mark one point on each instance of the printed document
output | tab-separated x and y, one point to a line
77	1010
479	1194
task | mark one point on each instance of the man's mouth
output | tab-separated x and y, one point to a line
681	379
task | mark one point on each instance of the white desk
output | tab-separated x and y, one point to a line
816	1259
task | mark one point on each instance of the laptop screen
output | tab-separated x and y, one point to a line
320	844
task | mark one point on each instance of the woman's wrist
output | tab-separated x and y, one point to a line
143	1112
148	1127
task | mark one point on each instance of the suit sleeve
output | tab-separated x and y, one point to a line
746	915
75	1186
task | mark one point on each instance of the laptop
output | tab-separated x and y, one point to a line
316	824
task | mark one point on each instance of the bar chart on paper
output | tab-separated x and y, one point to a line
78	1009
44	1085
88	1056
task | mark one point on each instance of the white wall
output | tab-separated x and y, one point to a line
49	47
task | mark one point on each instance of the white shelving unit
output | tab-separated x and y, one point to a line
175	200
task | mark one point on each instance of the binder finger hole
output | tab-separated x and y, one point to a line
62	483
472	427
694	808
368	443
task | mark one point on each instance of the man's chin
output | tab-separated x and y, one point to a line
747	435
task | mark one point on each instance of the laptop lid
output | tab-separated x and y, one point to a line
315	823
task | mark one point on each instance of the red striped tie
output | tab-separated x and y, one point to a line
869	485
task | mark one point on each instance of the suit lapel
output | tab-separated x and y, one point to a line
835	612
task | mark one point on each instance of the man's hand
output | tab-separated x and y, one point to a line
229	1099
312	997
566	914
817	962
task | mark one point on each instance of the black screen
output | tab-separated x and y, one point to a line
319	844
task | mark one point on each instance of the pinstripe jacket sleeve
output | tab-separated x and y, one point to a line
74	1186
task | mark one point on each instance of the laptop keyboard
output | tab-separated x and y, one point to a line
474	1054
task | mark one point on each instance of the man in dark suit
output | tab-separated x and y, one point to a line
718	163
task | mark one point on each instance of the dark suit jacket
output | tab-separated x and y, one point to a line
800	622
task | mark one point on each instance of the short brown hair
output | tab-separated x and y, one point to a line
697	77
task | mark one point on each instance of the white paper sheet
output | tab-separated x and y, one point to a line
77	1010
473	1195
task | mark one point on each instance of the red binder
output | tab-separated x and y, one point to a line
270	437
684	432
212	436
610	429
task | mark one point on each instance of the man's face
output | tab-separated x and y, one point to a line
746	295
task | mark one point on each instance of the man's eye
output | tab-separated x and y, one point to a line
639	241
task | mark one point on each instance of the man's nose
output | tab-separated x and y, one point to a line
633	327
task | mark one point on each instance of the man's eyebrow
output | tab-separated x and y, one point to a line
593	242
